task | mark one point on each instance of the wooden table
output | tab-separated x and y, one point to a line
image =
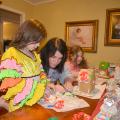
37	112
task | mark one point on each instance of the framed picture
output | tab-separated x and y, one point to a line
112	36
82	33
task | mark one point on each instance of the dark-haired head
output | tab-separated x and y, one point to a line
31	31
49	50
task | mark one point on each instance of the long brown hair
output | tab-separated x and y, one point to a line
73	51
30	31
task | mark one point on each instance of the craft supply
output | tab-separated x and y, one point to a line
59	104
86	78
81	116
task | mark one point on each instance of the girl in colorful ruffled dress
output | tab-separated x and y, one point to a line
21	72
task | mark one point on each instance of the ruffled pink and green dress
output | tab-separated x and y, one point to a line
23	78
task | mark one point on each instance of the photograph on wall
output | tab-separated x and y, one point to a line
112	36
116	27
83	34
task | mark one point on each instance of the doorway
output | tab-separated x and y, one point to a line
10	20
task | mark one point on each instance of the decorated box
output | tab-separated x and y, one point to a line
86	78
103	69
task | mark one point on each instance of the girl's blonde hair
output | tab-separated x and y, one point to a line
73	51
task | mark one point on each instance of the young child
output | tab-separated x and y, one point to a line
21	72
76	60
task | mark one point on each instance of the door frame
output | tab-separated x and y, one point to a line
22	19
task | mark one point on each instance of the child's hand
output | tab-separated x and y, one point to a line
59	88
50	89
68	86
51	85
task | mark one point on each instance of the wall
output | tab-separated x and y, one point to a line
19	5
54	15
9	30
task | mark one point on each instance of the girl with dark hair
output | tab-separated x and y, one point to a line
53	56
21	71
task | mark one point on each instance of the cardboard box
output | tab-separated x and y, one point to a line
86	87
86	80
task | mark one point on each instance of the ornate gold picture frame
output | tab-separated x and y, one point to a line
112	34
82	33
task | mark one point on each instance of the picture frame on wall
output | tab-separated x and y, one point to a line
112	33
83	34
